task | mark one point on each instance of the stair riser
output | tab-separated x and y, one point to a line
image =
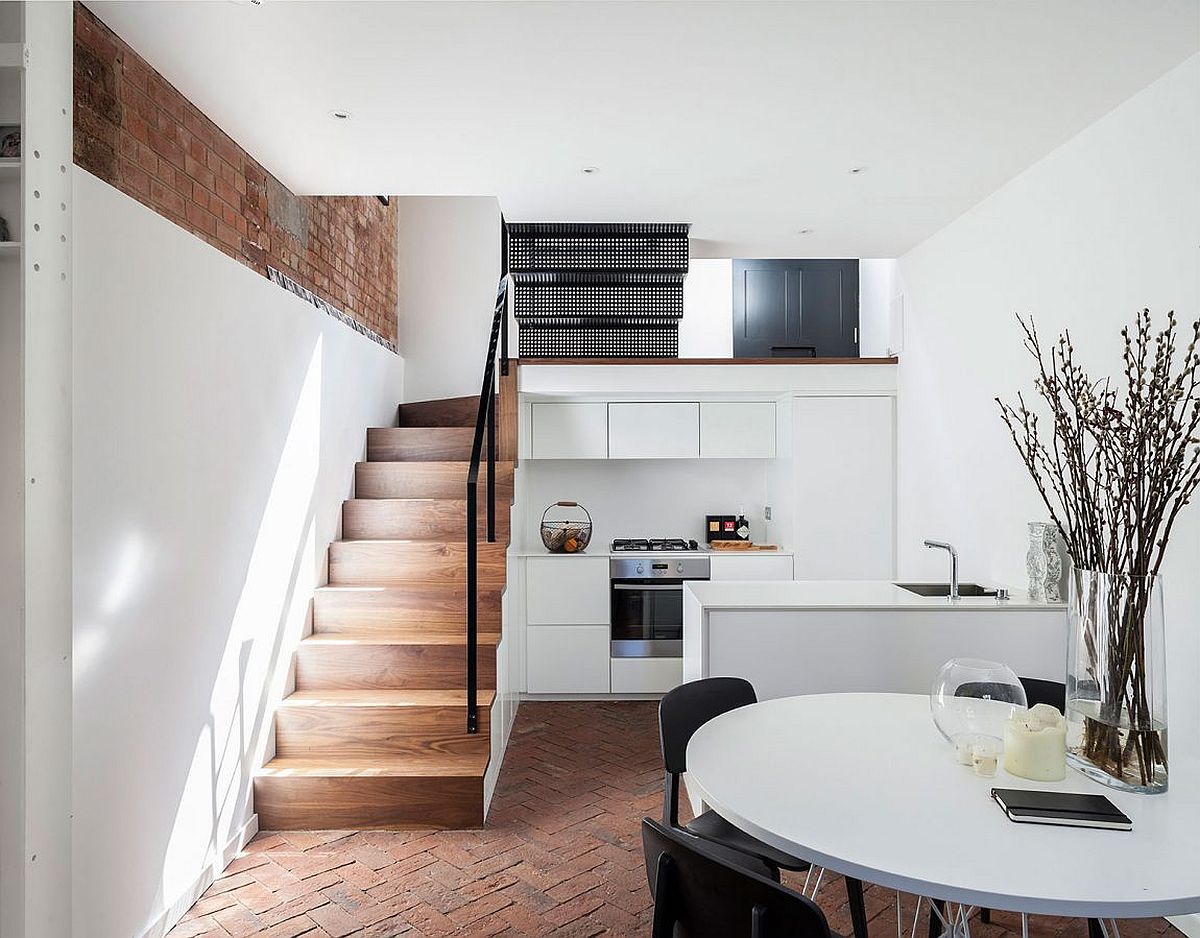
406	667
386	563
405	519
420	444
368	803
378	731
428	480
453	412
402	611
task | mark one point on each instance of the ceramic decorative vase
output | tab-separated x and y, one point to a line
1043	562
1116	680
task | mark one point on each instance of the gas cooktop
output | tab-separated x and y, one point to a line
654	544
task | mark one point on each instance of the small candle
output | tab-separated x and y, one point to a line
1035	745
985	759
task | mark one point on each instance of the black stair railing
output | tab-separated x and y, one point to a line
485	423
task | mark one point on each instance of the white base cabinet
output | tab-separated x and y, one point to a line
646	675
565	590
751	566
567	659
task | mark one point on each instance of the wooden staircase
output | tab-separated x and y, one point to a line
374	735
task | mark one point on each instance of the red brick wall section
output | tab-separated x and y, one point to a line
135	131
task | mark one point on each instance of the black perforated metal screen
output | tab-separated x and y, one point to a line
598	290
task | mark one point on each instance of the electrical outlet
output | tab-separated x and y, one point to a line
767	513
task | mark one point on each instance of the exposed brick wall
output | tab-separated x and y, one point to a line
134	130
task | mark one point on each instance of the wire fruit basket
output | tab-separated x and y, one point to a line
564	536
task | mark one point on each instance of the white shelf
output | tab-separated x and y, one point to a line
10	245
10	162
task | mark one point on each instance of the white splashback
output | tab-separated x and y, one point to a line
647	497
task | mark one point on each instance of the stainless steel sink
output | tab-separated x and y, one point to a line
943	589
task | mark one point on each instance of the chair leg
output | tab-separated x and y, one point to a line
858	909
985	916
1095	929
936	917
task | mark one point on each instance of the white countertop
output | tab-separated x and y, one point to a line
841	594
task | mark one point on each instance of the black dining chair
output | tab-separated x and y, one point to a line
681	712
697	894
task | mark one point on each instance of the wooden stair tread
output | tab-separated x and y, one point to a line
429	764
397	638
385	697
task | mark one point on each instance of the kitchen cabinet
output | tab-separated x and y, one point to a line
737	429
567	659
566	590
654	430
795	308
844	481
569	430
750	566
646	675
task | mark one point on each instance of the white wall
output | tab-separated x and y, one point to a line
876	293
1105	225
217	422
706	330
707	327
449	268
647	497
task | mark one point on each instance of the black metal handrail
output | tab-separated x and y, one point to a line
485	421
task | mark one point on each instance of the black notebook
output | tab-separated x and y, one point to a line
1064	808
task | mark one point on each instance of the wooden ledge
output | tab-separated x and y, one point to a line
708	361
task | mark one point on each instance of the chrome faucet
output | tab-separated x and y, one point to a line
942	545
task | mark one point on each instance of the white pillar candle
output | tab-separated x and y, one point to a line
1035	745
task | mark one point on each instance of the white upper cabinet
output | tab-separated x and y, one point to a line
737	429
654	431
569	430
845	485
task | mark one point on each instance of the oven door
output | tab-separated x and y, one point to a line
647	619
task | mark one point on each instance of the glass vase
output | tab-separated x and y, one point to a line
1116	680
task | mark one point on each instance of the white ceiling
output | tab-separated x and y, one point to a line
743	118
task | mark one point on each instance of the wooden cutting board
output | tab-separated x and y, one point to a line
740	545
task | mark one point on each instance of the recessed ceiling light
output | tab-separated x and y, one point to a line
590	170
855	170
340	115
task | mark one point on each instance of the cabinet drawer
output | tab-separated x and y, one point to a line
737	430
568	659
751	567
569	431
646	675
566	591
654	431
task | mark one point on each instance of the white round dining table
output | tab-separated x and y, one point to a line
864	785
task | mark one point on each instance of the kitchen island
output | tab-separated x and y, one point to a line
825	636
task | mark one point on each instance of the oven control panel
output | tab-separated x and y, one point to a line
654	568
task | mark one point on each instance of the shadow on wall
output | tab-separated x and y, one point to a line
241	682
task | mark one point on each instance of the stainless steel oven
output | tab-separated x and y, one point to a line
647	603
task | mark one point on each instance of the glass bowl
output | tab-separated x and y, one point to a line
972	699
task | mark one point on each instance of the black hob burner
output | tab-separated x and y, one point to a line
654	544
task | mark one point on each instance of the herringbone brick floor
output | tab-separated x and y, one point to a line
561	855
